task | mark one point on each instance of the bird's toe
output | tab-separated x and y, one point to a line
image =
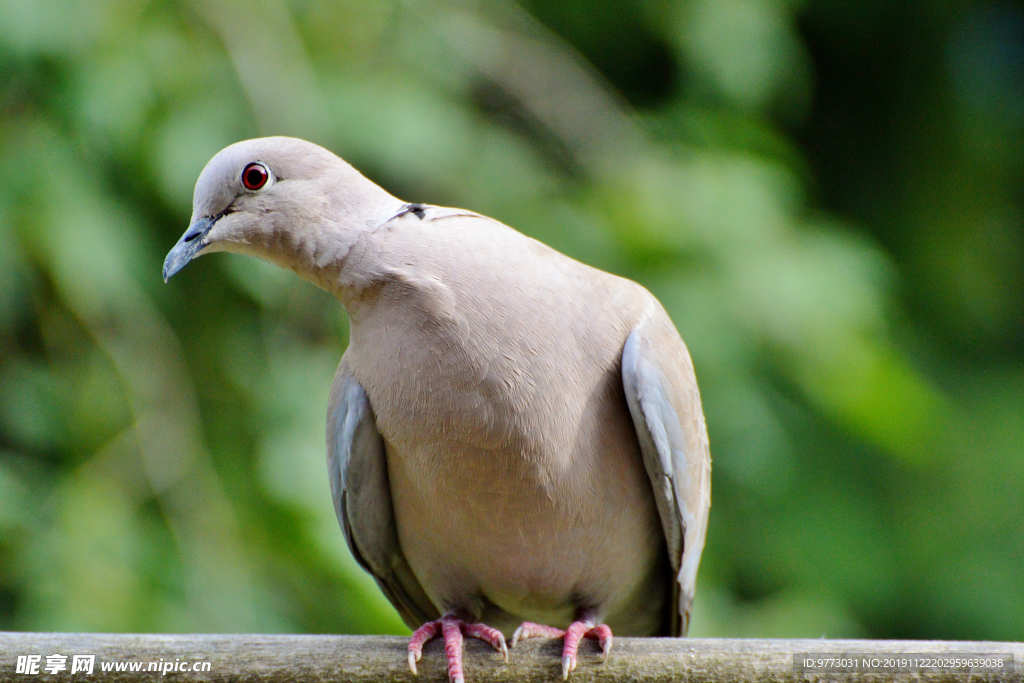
585	627
528	629
452	627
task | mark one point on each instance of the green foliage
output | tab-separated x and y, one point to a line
161	448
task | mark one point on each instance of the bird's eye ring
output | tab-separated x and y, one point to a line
255	176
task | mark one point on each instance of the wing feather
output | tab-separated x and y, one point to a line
357	467
661	390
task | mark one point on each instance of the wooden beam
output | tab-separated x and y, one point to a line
289	659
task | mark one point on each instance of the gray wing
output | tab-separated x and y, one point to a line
357	466
663	399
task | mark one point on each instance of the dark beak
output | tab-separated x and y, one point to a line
188	246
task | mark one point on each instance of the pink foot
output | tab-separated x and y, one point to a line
452	627
586	627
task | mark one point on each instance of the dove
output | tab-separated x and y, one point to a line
515	440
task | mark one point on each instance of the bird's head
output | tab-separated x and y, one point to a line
281	199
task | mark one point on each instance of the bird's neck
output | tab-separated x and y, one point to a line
322	250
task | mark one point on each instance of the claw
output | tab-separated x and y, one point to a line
603	635
452	627
584	627
528	629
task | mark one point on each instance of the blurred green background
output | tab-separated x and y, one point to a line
826	195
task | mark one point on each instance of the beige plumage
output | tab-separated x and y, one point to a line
512	435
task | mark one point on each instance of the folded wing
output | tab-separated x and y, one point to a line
663	399
357	466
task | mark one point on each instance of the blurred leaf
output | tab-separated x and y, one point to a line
747	49
14	500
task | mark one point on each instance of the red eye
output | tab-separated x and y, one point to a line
255	176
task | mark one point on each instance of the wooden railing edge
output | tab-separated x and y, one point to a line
28	657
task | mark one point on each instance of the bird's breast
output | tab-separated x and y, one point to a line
506	469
